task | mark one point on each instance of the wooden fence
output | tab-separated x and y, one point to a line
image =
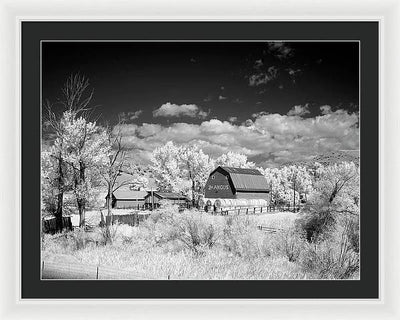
49	225
268	229
133	219
254	210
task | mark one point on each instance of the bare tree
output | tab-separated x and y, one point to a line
115	163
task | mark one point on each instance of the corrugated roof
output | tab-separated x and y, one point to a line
248	180
169	195
242	171
129	194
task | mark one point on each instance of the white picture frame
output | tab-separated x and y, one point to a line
385	11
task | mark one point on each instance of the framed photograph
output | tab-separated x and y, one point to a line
200	161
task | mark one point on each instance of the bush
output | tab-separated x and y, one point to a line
108	233
315	225
242	238
290	243
337	256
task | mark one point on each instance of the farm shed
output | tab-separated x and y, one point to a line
156	196
237	183
122	199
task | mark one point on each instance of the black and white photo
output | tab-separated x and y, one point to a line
200	160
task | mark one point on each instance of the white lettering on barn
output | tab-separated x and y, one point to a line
218	187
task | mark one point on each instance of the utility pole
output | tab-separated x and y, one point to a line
294	194
152	198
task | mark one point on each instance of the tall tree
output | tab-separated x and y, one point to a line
166	167
181	169
196	166
86	151
83	142
233	159
113	166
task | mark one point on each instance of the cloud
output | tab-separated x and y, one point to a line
259	114
208	98
174	110
222	97
128	116
258	64
232	119
263	77
294	73
299	110
135	115
268	138
326	109
280	50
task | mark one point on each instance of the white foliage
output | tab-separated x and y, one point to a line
181	169
232	159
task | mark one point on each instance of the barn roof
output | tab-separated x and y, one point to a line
248	180
129	194
242	171
168	195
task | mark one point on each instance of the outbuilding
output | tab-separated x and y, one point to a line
153	198
237	183
124	199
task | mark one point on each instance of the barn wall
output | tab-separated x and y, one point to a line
218	187
125	204
253	195
157	200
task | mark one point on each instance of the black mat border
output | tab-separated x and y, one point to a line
34	31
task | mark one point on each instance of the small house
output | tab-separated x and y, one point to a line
237	183
124	199
153	198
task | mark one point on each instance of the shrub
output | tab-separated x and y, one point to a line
335	257
195	231
290	243
242	238
108	233
314	225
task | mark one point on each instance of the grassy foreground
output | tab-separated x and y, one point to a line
193	245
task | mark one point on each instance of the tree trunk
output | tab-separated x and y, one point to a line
294	195
109	206
81	200
193	186
81	210
60	198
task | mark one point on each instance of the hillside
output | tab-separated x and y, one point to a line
331	158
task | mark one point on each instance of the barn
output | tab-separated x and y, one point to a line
123	199
237	183
154	198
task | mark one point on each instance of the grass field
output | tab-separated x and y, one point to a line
189	245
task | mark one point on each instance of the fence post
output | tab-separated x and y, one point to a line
254	210
42	265
261	210
97	272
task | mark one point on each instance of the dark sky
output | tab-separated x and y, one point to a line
273	101
134	76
